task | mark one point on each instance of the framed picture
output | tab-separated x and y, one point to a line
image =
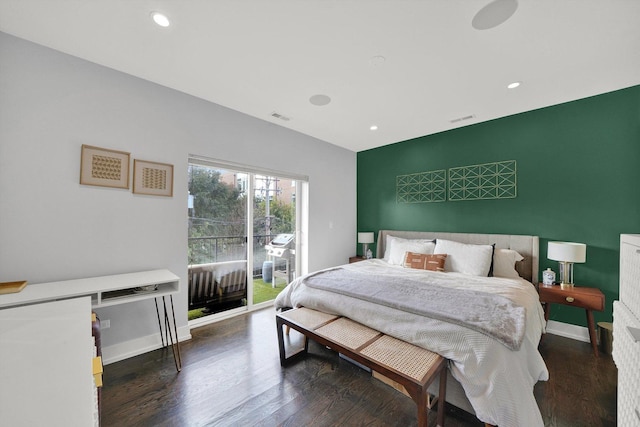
155	179
103	167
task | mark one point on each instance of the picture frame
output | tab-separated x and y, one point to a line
152	178
104	167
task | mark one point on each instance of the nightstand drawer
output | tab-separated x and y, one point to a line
588	298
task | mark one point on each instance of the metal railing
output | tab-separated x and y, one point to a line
203	250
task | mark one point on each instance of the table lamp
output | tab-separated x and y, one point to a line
365	238
566	253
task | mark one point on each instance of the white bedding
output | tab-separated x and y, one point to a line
497	381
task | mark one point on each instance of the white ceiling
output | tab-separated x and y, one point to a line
266	56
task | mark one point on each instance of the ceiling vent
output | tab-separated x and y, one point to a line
462	119
280	116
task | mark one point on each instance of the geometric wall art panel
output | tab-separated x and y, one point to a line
152	178
422	187
486	181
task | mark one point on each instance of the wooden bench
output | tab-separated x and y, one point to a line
413	367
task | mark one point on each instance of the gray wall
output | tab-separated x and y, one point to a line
52	228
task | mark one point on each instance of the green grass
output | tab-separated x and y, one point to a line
261	292
195	314
264	292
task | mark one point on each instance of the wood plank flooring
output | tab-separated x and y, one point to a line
231	376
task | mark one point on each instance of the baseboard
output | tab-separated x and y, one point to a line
579	333
124	350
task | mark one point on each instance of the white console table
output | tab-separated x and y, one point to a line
106	291
44	343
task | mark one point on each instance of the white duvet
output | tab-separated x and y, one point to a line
497	381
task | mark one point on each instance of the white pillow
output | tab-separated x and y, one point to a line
387	247
465	258
397	247
504	263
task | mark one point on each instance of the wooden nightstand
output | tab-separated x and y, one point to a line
355	259
588	298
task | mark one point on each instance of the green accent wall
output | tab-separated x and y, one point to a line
578	176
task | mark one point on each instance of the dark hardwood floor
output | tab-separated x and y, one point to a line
231	376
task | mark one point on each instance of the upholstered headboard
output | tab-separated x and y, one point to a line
527	246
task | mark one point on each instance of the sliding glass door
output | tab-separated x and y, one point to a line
235	263
274	228
217	250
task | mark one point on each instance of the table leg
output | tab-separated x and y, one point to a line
162	337
175	328
592	332
547	310
166	334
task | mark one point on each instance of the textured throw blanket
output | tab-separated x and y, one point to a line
490	314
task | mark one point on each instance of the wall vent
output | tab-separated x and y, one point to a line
280	116
462	119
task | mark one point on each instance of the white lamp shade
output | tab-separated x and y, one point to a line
567	251
366	237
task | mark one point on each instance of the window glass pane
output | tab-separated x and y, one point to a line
217	252
274	218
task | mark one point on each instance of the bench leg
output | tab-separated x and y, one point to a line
283	355
423	396
280	341
423	413
442	395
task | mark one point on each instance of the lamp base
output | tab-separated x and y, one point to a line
365	248
566	274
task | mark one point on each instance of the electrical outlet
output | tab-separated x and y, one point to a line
105	324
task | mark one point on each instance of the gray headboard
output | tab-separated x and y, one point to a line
527	246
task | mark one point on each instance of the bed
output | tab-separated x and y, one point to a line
494	358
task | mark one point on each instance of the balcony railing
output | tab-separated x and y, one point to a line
203	250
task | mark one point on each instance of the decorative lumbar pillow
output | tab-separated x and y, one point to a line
465	258
504	263
397	247
433	262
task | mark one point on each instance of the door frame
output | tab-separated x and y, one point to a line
302	225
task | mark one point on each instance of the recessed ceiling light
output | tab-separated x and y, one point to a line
374	127
513	85
320	100
160	19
